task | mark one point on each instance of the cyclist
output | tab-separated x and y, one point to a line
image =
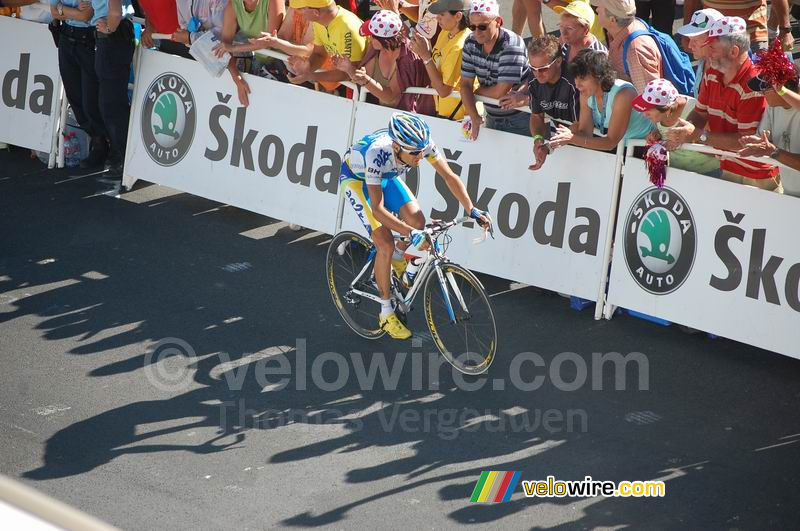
370	179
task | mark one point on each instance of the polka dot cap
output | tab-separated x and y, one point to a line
384	24
727	26
657	93
485	7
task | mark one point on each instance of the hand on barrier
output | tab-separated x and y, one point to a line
514	99
757	146
340	62
561	137
541	148
475	127
147	37
181	36
219	49
243	90
266	40
679	134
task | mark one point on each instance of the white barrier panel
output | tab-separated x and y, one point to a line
550	224
29	84
709	254
280	157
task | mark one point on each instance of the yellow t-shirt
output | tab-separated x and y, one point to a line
341	37
447	57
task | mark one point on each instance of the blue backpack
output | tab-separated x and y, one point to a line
675	64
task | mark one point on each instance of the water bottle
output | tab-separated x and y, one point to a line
412	269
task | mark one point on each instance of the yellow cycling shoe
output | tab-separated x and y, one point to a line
392	325
399	266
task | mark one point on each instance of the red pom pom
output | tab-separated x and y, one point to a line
774	66
656	163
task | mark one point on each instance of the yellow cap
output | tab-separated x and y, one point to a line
579	9
316	4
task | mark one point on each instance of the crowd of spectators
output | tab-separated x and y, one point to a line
608	75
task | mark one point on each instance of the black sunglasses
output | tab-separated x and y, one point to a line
481	27
413	153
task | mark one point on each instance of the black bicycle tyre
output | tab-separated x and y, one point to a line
338	280
432	288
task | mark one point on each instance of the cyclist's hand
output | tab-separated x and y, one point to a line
417	238
483	219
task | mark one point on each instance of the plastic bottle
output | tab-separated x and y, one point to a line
412	269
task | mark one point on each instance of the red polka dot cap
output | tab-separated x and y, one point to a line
485	7
657	93
727	26
384	24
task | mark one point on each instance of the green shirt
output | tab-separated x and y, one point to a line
251	24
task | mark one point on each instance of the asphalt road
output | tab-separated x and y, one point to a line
89	284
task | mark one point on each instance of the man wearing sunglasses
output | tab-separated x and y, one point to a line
383	203
497	58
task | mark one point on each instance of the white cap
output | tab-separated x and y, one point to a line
701	22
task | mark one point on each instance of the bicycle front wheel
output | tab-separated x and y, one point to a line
348	255
461	319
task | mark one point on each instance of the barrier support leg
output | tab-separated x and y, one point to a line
340	208
129	180
57	144
601	295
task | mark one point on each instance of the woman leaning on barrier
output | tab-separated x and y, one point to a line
605	105
390	66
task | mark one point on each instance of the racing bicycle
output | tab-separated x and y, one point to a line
457	308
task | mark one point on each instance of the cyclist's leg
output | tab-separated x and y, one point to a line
398	198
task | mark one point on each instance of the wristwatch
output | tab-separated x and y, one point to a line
704	137
785	30
775	154
60	9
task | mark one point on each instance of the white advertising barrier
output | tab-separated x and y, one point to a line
550	225
30	85
280	157
713	255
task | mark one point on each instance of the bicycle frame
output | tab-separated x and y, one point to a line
431	263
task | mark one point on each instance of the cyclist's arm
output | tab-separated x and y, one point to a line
386	218
453	183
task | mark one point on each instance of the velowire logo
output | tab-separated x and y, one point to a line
660	240
168	119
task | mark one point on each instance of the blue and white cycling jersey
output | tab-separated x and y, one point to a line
372	160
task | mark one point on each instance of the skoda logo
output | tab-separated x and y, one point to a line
660	240
168	119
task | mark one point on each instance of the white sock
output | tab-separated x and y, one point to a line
387	308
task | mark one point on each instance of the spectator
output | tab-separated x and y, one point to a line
661	11
552	93
605	105
336	32
595	28
779	24
497	58
696	31
76	43
662	105
252	18
195	17
295	36
727	107
618	17
753	11
113	55
161	16
390	67
577	19
778	133
443	62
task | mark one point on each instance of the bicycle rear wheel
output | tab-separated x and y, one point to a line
461	319
348	253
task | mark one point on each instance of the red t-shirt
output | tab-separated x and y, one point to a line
162	15
734	108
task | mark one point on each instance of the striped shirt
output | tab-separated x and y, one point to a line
596	46
508	63
753	11
644	57
734	108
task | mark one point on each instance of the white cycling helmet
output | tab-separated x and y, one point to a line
409	131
